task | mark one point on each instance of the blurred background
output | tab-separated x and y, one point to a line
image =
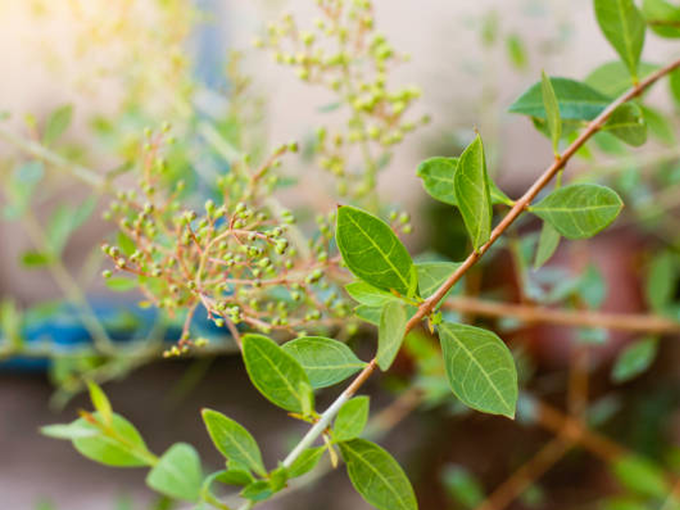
123	65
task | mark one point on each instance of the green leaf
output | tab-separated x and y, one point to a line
641	476
57	123
463	487
11	320
23	183
235	476
628	124
674	85
552	110
368	295
351	419
517	53
480	368
259	490
662	17
437	175
125	449
577	101
233	441
624	28
635	359
548	242
373	252
660	125
432	275
471	184
377	476
326	361
579	211
68	431
100	401
35	259
178	473
391	333
275	373
307	461
613	79
661	280
120	284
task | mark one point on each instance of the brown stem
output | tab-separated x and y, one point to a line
536	314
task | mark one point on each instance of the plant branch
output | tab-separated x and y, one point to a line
537	314
430	304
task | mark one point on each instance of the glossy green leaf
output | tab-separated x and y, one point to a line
437	175
613	79
127	449
178	473
307	461
479	368
351	419
235	476
432	275
377	476
275	373
641	476
577	101
368	295
628	124
326	361
548	242
57	123
391	333
552	110
662	17
259	490
100	401
373	252
635	359
233	440
471	184
370	314
579	211
624	27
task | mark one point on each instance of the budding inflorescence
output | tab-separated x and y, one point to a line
345	54
234	255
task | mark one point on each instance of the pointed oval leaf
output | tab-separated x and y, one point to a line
391	333
552	110
635	359
275	373
641	476
100	401
130	452
613	79
437	175
480	368
579	211
432	275
373	252
326	361
471	184
628	124
57	123
577	101
548	242
368	295
351	419
624	27
178	473
233	440
307	461
377	476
